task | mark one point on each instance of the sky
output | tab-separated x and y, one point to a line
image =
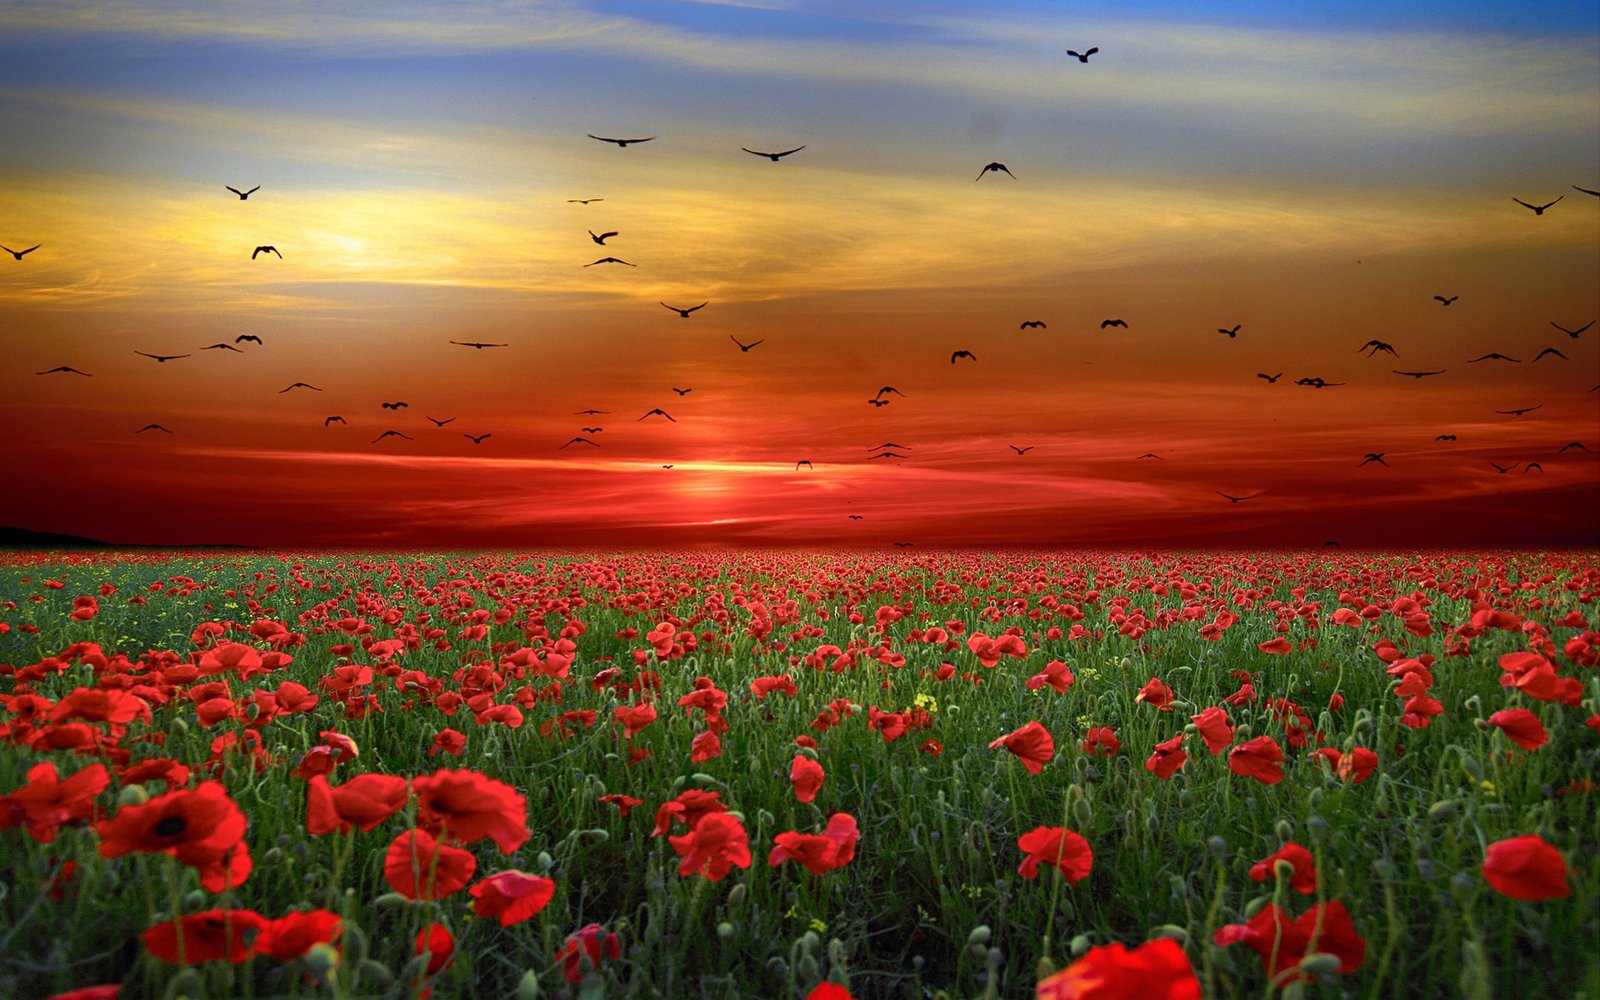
1314	174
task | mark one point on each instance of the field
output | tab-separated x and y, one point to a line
1323	774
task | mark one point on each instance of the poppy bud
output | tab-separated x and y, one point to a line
1152	823
1462	884
391	901
1314	797
321	959
1082	812
1079	945
1443	809
1473	769
1254	906
1425	868
1241	732
1320	962
1218	847
1043	969
1172	931
836	955
809	942
133	795
807	969
1285	830
193	900
725	930
701	778
978	940
736	895
528	986
1316	823
542	861
273	856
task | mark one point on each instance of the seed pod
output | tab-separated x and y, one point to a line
543	861
1218	847
320	960
391	901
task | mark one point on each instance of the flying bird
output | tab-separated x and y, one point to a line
1233	499
682	392
743	347
1519	412
247	336
685	312
1232	334
1502	469
476	438
222	347
621	143
152	427
242	194
1270	378
261	250
330	420
1550	350
601	238
475	345
19	254
1444	301
657	412
992	167
582	201
588	413
1572	333
1531	466
394	406
1316	382
889	444
1573	444
609	260
1374	456
1112	322
1021	451
904	545
385	434
855	517
879	402
440	423
1151	454
962	354
579	440
888	389
666	466
1418	374
1536	209
1586	191
1034	324
1083	57
161	357
887	454
805	462
774	157
1445	437
1494	356
299	385
591	430
1372	347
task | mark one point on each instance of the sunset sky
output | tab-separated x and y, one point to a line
1315	173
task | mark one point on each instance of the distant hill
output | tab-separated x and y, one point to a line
23	538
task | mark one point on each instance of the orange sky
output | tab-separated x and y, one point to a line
1315	183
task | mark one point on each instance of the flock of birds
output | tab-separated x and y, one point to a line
889	450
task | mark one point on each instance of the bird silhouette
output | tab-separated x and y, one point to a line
1151	454
1033	324
1445	437
991	168
621	143
888	389
1372	347
1536	209
1572	333
1573	444
161	357
1316	382
1547	351
887	454
582	201
330	420
440	423
242	194
1021	451
261	250
591	430
743	347
1519	412
1112	322
1083	57
1269	378
1374	456
962	354
475	345
904	545
19	254
1531	466
588	413
152	427
601	237
805	462
685	312
243	337
657	412
1502	469
579	440
889	444
394	406
774	157
1233	499
879	402
1418	374
476	438
221	347
1495	356
386	434
682	392
855	517
299	385
609	260
1444	301
1586	191
666	466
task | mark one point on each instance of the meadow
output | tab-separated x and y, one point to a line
750	774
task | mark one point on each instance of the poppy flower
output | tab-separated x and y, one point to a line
763	686
622	802
716	843
818	852
1357	765
1278	645
1156	693
100	705
890	725
419	867
108	992
362	802
201	827
512	896
1057	846
448	741
634	718
1260	758
1167	758
689	806
1101	741
1032	744
587	945
468	806
1302	877
705	746
1055	673
205	937
294	934
439	944
1526	867
829	991
1521	727
806	775
1214	728
1155	970
46	803
1324	929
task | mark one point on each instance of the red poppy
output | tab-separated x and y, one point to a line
1032	744
45	803
109	992
689	806
587	945
818	852
890	725
1055	673
201	827
1278	645
1303	873
439	944
1526	867
1057	846
806	775
1214	728
829	991
716	843
1325	929
634	718
1357	765
205	937
448	741
364	801
763	686
100	705
512	896
1155	693
1521	727
1167	758
705	746
294	934
468	806
1155	970
622	802
419	867
1260	758
1101	741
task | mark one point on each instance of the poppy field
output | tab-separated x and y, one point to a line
790	774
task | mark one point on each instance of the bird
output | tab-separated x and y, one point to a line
385	434
1536	209
904	545
1445	437
1586	191
222	347
591	430
1231	334
621	143
1270	378
475	345
991	167
1418	374
855	517
394	406
1034	324
685	312
299	385
588	413
1572	333
19	254
601	238
330	420
609	260
476	438
1112	322
582	201
1550	350
1520	411
889	444
1021	451
888	389
440	423
879	402
1376	346
1444	301
1502	469
962	354
261	250
579	440
1151	454
887	454
152	427
242	194
805	462
1494	356
161	357
1531	466
743	347
1374	456
774	157
1083	57
666	466
1232	499
682	392
1573	444
241	338
657	412
1316	382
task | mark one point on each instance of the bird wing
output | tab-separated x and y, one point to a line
1524	204
1092	51
1586	191
700	306
235	190
254	189
607	236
